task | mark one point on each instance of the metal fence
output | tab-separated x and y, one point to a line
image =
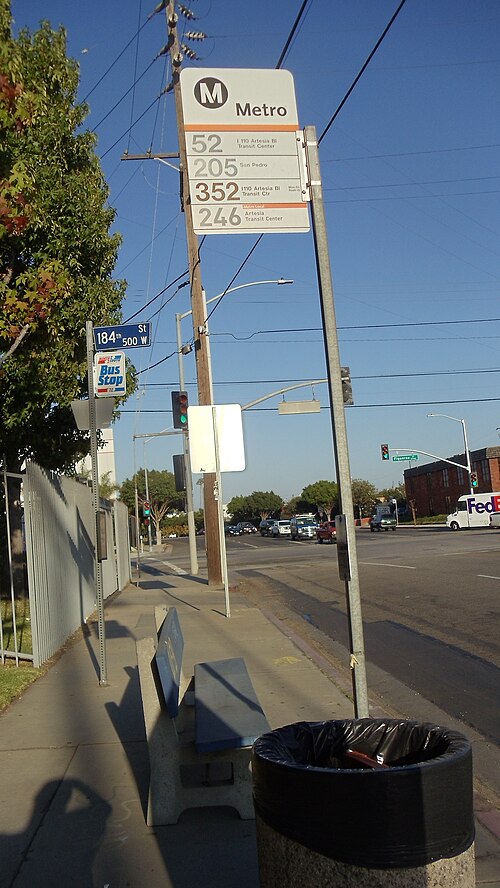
59	533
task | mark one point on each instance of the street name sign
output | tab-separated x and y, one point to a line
122	336
245	155
109	374
405	456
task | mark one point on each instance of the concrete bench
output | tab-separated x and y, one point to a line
200	729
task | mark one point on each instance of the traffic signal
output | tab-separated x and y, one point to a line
385	451
146	510
180	410
473	479
345	375
179	473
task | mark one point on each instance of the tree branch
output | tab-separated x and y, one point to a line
15	344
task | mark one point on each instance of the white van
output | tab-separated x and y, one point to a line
473	510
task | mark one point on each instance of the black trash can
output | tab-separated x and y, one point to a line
368	802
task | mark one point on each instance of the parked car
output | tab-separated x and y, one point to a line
326	532
383	522
280	528
266	526
246	527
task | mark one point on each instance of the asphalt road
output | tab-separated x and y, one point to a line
430	605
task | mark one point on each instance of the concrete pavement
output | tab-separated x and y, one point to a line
74	756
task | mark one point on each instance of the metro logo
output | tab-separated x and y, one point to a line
491	505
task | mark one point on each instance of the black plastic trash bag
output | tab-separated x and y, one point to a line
377	793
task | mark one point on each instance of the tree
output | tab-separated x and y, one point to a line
264	503
56	253
162	495
322	496
259	504
364	495
398	493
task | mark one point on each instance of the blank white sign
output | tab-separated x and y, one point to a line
202	423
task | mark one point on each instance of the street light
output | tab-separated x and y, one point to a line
184	350
467	452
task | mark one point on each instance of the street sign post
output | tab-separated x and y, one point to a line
245	155
405	456
122	336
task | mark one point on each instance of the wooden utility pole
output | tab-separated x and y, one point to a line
203	372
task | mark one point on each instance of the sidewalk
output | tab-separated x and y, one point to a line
74	757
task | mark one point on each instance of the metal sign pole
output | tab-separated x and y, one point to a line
103	680
351	578
220	511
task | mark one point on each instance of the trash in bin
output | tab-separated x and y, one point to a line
380	793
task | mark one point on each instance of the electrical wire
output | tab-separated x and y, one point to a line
361	406
337	111
134	123
167	287
124	96
361	71
115	61
134	78
291	34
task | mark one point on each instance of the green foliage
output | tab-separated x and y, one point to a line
364	495
106	486
398	493
321	496
259	504
161	490
162	495
56	253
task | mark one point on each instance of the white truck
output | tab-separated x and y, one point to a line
303	527
474	510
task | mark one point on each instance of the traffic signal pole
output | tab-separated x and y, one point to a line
212	532
340	444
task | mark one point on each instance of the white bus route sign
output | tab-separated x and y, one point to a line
245	155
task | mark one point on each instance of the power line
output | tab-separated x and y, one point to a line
167	287
417	374
116	60
361	406
410	153
362	70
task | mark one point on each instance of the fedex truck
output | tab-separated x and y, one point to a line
474	510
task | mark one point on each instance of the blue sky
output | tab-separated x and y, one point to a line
411	173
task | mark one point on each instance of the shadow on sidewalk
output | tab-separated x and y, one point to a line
59	820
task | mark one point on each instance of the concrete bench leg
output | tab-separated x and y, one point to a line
170	752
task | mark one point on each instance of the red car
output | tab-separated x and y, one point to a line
326	532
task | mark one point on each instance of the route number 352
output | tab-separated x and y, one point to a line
216	191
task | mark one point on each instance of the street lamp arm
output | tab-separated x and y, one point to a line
279	281
281	391
466	444
425	453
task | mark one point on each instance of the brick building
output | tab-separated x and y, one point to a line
436	486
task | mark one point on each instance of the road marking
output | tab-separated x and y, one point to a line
488	577
177	570
383	564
